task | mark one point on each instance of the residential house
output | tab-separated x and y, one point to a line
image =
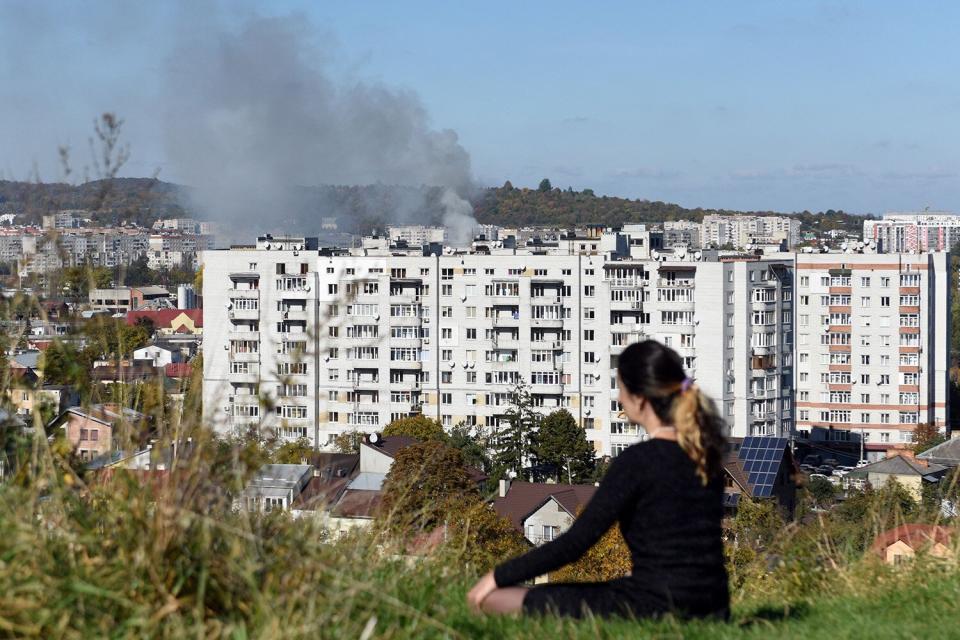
910	472
903	543
158	354
125	299
170	321
126	372
946	454
762	468
541	511
92	430
275	486
27	398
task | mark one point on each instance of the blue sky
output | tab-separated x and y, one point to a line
748	105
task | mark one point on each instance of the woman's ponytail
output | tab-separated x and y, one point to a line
698	429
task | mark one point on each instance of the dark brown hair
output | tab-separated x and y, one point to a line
655	371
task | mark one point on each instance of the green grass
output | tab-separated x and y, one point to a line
124	559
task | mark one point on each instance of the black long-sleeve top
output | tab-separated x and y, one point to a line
670	521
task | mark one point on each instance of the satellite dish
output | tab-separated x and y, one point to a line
698	256
453	364
374	438
655	254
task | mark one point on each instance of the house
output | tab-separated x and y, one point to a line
159	354
124	299
946	454
346	490
92	431
170	321
28	397
126	372
904	542
541	511
275	486
908	471
760	467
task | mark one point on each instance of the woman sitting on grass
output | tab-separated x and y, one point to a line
667	495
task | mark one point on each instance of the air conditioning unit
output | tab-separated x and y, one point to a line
426	341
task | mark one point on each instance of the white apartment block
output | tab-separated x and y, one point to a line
873	344
342	340
741	230
912	232
417	235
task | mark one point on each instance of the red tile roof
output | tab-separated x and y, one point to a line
523	498
915	536
163	318
178	370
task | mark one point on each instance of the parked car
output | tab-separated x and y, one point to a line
813	459
825	469
819	475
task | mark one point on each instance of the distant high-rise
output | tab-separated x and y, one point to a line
908	232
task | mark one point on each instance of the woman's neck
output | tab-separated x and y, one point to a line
663	432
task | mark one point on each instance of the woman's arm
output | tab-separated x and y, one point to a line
617	490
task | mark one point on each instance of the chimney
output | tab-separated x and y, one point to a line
504	487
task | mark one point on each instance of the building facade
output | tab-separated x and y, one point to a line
913	232
873	344
740	231
344	340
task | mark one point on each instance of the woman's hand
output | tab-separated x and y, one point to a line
484	587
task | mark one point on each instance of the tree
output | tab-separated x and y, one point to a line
293	452
348	441
482	537
822	491
926	436
512	444
545	186
419	426
472	446
562	445
427	482
608	559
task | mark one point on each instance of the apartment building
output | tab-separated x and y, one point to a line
873	345
911	232
740	231
338	340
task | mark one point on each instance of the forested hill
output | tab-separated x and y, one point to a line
508	205
143	200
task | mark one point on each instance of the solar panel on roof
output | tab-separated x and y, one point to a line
761	457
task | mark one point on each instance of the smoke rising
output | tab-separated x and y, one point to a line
258	111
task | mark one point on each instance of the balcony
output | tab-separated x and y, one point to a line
504	365
244	356
626	305
406	365
504	320
547	323
405	321
244	314
247	294
406	297
295	315
252	376
405	384
547	389
244	335
664	283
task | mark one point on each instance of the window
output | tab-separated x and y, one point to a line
471	334
864	281
589	313
588	334
446	398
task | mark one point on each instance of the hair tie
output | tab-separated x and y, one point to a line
686	384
